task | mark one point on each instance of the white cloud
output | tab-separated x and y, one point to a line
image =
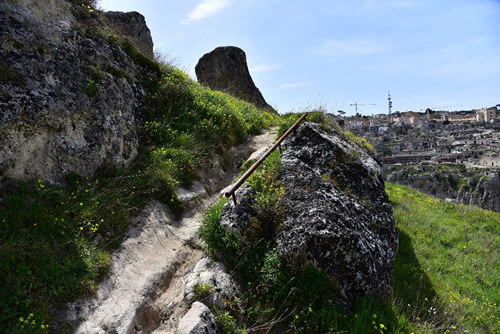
204	9
264	68
334	48
296	84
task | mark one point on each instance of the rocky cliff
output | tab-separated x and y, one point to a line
456	182
225	69
70	101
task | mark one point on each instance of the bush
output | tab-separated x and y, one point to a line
91	88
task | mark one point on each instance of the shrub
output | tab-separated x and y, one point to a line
91	88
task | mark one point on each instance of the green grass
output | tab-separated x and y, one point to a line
448	262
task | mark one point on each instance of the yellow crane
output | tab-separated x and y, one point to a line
361	104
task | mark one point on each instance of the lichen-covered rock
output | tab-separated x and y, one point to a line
338	214
198	320
53	120
225	69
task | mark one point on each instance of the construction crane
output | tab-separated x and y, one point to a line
361	104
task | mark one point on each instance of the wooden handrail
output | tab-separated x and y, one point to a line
252	169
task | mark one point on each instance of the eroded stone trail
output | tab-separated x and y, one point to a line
145	290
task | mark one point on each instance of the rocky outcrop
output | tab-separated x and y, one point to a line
70	101
454	182
338	216
225	69
484	193
132	25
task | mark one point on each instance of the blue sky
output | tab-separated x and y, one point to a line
442	54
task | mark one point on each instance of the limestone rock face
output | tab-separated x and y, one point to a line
338	213
225	69
133	25
49	125
198	320
485	193
470	186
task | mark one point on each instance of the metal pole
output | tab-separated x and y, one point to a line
252	169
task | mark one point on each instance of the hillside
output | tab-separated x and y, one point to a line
87	150
446	274
110	160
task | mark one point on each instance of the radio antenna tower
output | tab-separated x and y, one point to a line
390	105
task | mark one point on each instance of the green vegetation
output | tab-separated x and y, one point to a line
195	114
447	269
361	142
91	88
445	278
55	240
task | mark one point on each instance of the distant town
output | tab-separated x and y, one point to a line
468	137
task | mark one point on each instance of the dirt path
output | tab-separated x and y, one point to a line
145	291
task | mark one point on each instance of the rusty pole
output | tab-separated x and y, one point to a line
231	192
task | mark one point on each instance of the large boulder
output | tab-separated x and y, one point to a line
225	69
53	119
338	215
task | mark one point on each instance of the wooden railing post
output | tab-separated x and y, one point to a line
232	191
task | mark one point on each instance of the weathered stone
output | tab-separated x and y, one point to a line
198	320
485	194
132	25
236	217
225	69
482	186
219	284
338	214
49	125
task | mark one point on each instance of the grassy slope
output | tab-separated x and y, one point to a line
55	241
447	272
